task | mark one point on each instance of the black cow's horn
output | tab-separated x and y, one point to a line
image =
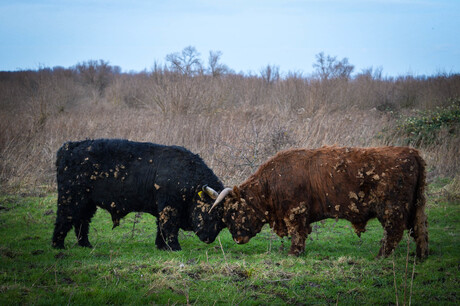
211	192
221	196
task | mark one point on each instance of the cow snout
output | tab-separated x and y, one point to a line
241	240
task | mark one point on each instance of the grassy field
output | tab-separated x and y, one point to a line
124	267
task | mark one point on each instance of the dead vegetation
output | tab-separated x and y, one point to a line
234	121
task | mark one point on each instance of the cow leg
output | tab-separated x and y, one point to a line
81	231
160	241
168	230
393	234
62	225
167	237
297	243
61	228
298	228
81	225
420	232
298	231
421	241
360	227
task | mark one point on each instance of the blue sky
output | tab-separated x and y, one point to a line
418	37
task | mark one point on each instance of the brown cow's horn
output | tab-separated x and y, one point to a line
211	192
221	196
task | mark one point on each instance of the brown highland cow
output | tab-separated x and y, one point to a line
298	187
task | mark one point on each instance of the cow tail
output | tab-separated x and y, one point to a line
420	223
59	156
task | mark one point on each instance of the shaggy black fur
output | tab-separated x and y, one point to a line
122	176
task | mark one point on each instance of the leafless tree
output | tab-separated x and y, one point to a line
270	74
97	73
216	68
371	73
328	67
187	62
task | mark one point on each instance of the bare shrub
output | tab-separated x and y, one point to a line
270	74
234	121
96	74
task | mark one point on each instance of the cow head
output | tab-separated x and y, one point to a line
240	217
206	225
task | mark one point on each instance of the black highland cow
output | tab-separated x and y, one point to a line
122	176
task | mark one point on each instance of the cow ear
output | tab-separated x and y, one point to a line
236	192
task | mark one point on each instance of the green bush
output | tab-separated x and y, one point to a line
425	128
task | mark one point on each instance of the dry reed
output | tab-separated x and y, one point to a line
234	122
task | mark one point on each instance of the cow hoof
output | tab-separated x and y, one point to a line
58	245
86	245
175	248
169	248
162	247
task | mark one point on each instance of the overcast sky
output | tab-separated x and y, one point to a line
418	37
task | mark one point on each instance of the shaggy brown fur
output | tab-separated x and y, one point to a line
298	187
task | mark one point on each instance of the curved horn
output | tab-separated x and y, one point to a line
221	196
211	192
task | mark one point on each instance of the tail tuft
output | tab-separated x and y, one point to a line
420	223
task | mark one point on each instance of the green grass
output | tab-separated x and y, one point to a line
124	267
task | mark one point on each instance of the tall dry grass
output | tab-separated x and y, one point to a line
234	122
